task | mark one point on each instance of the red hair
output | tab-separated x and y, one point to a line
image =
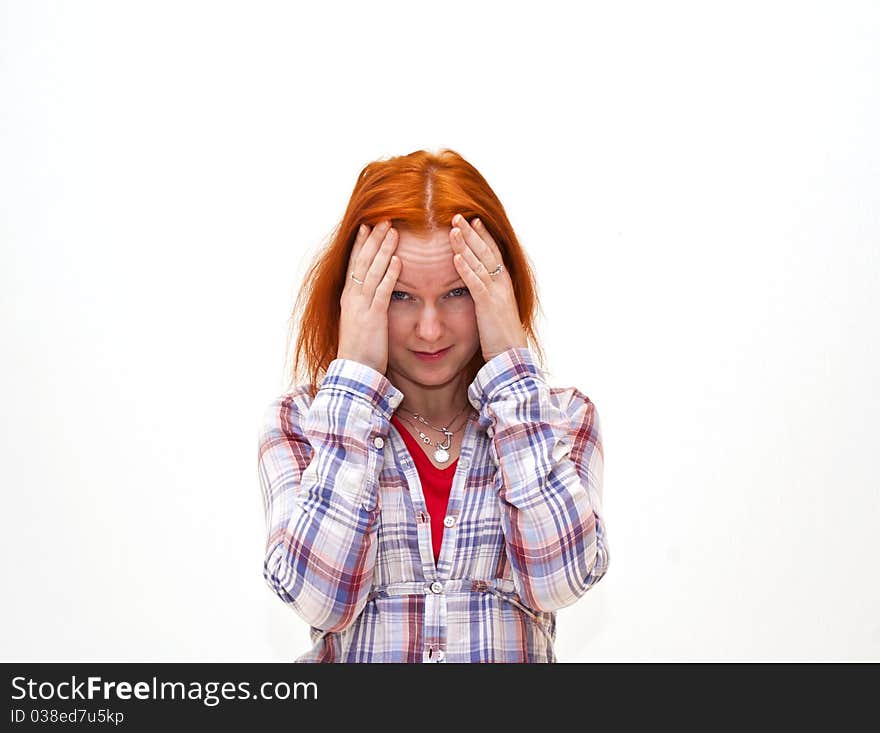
421	191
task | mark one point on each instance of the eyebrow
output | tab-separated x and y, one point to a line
404	285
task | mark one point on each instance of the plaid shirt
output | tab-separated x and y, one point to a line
349	539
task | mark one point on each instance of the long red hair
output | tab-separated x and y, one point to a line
421	191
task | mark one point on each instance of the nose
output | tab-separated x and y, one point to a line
429	326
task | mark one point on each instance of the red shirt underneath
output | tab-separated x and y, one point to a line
436	483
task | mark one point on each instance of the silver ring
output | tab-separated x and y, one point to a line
496	271
359	282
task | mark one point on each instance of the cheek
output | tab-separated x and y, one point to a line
462	317
461	307
395	323
465	314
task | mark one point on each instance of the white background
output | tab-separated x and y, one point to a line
695	183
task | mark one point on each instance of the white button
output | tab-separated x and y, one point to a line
449	521
465	461
378	442
436	587
438	655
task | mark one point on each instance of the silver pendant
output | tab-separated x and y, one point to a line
441	456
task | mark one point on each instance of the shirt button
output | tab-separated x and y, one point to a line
436	587
449	521
439	655
378	442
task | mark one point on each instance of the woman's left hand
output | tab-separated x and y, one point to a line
476	255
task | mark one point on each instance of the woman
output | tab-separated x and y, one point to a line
434	500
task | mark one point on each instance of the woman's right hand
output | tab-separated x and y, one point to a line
363	325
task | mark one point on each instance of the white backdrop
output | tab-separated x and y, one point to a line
696	184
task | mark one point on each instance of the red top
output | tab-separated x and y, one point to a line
436	484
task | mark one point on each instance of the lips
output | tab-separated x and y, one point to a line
432	355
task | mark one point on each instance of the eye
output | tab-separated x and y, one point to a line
457	293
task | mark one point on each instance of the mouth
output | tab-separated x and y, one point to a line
432	356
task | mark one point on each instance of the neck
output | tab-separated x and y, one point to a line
439	404
451	420
438	414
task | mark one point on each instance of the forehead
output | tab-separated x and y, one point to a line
426	260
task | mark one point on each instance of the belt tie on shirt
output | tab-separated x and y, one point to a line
502	588
417	587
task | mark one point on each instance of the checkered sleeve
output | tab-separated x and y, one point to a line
549	455
319	468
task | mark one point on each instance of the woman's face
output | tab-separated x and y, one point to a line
430	309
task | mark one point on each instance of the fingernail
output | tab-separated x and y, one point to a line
476	222
362	230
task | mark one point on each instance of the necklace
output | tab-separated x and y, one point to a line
441	450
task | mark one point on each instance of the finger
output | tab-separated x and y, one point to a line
476	286
386	286
367	252
474	263
359	238
475	242
480	229
379	265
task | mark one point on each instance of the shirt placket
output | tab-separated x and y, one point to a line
435	623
